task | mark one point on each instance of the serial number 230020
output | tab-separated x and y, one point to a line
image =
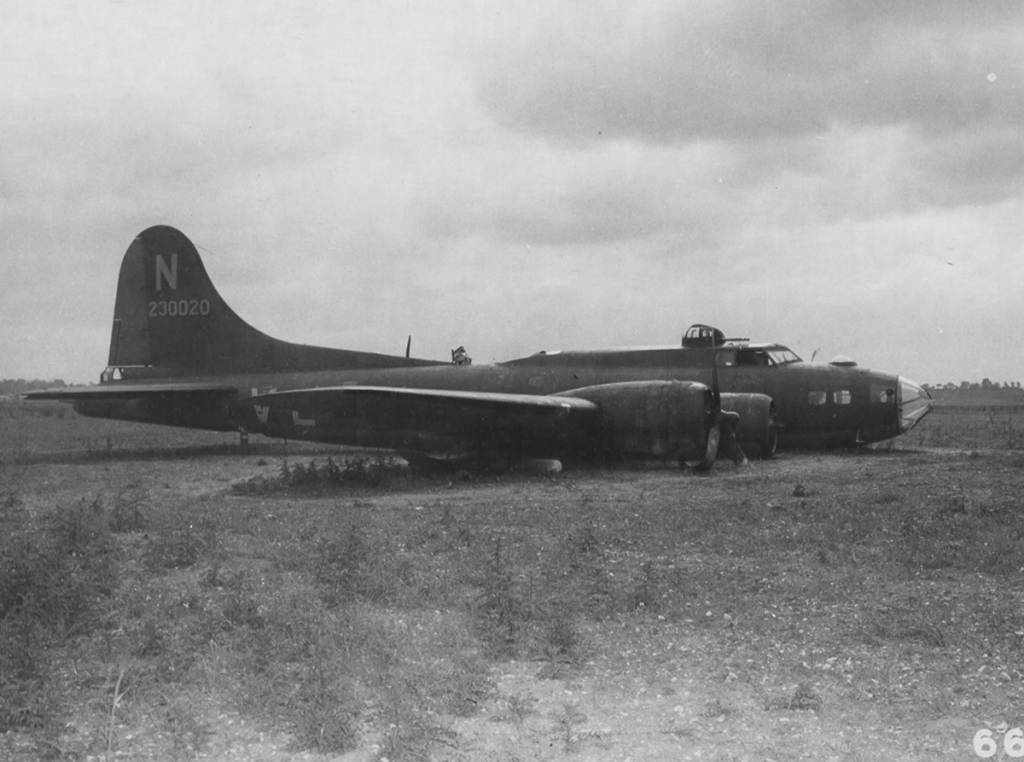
179	307
986	745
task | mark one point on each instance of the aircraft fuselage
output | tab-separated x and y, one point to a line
179	355
817	404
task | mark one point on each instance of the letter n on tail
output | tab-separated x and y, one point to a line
165	273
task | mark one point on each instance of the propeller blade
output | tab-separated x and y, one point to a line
722	425
710	450
716	390
729	445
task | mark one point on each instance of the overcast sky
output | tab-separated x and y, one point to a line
845	177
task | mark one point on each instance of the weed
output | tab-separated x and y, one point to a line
716	709
1000	554
937	538
566	721
349	567
562	639
560	644
902	624
1004	621
582	546
28	705
54	574
517	708
324	708
645	593
586	560
296	665
81	529
25	696
462	682
310	477
180	545
150	639
802	698
126	514
117	696
189	733
927	633
412	728
211	577
500	606
241	610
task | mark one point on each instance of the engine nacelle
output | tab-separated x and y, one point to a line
756	432
669	419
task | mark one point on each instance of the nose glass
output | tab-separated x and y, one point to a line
914	403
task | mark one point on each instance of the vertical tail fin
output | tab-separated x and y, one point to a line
169	317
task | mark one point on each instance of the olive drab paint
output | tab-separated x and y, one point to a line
179	355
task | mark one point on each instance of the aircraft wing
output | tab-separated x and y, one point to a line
125	391
435	422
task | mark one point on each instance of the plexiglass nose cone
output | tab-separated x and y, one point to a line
914	403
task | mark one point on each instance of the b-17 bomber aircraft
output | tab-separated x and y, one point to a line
179	355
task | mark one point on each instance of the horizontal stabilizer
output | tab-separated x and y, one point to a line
196	405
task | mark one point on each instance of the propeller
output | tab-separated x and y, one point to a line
722	425
408	346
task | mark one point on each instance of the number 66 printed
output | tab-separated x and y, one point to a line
985	745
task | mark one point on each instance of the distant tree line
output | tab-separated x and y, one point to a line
19	385
984	387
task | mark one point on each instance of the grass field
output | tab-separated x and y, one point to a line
236	605
980	425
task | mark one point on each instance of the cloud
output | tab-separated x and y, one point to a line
518	175
981	166
753	76
531	193
741	71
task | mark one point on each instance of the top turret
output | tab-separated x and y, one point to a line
698	336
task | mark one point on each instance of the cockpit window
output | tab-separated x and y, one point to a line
782	356
753	357
765	356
